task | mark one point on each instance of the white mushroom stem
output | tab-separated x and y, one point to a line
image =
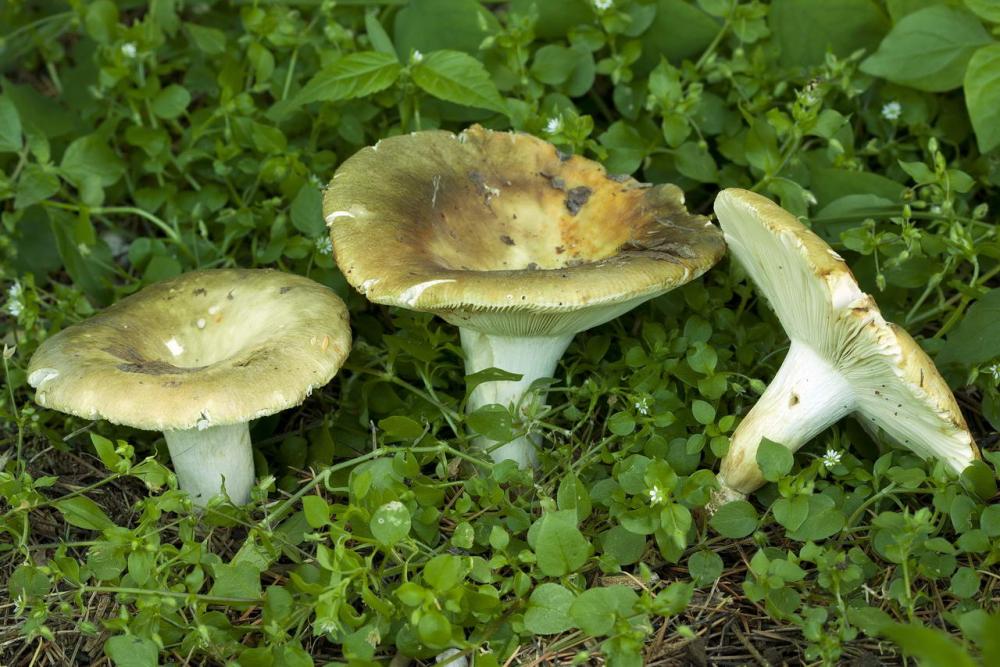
206	459
532	358
806	396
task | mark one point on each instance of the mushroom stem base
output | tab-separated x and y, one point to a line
806	396
204	460
533	358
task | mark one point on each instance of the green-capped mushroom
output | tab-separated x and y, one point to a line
844	358
517	244
198	357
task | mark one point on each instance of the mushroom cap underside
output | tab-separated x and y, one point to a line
503	222
206	348
819	303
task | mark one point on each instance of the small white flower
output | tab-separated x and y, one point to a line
831	458
642	405
129	50
603	5
656	495
324	246
891	110
15	305
416	57
994	371
554	125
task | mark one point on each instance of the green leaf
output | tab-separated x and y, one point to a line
171	102
559	545
553	64
34	185
703	411
696	163
90	157
678	31
982	96
457	77
548	610
307	212
932	648
705	567
990	521
10	126
390	523
430	25
805	30
488	375
621	423
105	451
355	75
493	421
132	651
399	427
316	510
823	520
976	339
622	546
987	9
928	49
444	572
626	147
735	519
775	460
101	20
210	41
29	581
82	512
377	34
573	495
240	579
595	609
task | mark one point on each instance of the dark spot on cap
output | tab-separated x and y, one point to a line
560	249
136	363
576	198
532	266
286	289
230	295
201	291
793	400
506	239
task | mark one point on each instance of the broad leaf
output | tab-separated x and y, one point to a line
928	49
457	77
354	75
982	96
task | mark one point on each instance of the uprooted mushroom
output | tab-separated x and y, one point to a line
198	357
844	358
517	244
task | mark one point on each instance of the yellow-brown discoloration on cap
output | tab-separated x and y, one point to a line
498	222
202	347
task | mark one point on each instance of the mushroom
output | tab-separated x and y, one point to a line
519	245
197	357
844	357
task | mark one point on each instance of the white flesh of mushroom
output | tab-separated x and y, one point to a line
531	357
205	459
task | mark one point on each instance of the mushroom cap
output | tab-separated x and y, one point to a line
500	232
819	303
207	348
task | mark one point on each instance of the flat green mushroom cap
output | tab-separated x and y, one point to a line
501	233
204	349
